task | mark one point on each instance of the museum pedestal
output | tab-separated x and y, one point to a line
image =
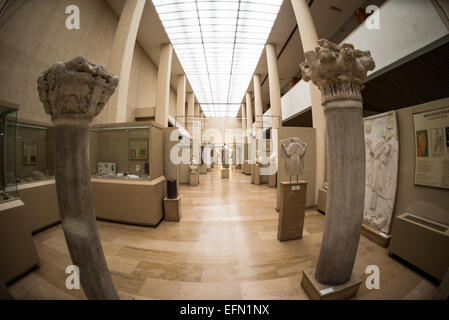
225	173
257	176
18	254
194	179
203	169
318	291
376	236
252	168
292	210
246	168
272	182
322	195
172	209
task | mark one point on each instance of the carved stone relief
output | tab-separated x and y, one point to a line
382	153
293	151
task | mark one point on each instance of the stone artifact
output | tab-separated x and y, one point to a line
73	93
193	166
338	71
382	154
4	292
293	150
225	156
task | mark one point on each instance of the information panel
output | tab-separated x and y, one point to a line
432	148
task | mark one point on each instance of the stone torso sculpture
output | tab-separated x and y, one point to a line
293	150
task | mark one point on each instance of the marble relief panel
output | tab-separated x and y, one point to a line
382	155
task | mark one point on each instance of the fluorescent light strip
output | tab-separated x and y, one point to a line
219	44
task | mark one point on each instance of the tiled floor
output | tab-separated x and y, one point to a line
225	247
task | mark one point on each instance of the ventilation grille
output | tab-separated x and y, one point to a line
426	223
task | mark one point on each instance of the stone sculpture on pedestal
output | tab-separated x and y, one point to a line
73	93
293	150
225	156
338	71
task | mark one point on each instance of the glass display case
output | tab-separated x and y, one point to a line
120	152
8	119
34	161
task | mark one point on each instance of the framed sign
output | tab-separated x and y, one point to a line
138	149
432	148
29	153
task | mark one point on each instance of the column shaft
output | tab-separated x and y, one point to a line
163	85
275	87
181	99
121	60
309	40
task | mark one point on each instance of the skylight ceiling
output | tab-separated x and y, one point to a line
219	44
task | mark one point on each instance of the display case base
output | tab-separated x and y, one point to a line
376	236
172	209
225	173
194	179
257	176
322	196
318	291
203	169
292	210
272	183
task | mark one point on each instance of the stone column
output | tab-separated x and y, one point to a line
275	87
121	60
338	71
244	139
163	85
190	111
249	129
181	99
258	111
73	93
309	40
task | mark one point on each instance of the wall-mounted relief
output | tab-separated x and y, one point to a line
382	160
293	150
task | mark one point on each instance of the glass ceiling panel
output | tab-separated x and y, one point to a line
219	44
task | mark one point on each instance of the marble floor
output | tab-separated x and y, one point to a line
225	247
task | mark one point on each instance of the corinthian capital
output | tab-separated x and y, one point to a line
77	89
337	70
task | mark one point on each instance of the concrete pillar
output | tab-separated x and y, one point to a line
258	101
181	99
309	40
258	114
340	81
73	93
249	112
244	150
249	129
244	117
121	59
275	87
163	85
190	111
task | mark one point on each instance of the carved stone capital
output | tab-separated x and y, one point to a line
75	90
337	70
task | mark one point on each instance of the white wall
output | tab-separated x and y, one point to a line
406	26
296	100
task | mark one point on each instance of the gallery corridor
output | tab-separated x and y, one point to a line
224	247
